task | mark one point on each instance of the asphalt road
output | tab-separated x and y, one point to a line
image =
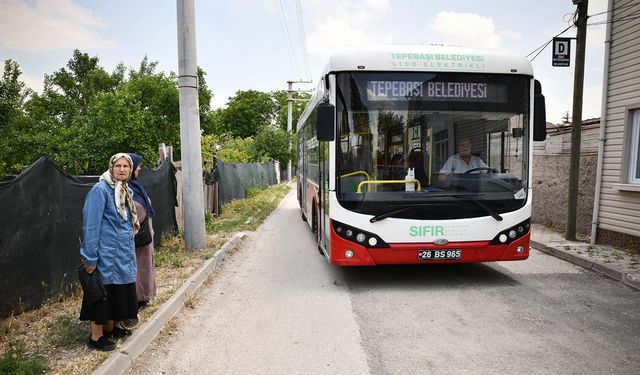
277	307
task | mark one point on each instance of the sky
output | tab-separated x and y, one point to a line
262	44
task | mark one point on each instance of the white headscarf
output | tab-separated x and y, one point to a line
122	196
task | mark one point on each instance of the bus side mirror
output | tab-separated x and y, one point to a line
325	122
539	113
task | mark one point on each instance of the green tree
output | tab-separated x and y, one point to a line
13	121
12	93
271	144
58	115
213	122
140	114
204	101
247	113
297	107
227	148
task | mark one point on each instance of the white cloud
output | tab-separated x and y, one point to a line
46	25
334	33
342	23
465	29
511	35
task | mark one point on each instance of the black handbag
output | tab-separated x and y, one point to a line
143	237
92	287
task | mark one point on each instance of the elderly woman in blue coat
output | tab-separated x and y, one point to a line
109	224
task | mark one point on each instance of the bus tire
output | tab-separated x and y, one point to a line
314	221
304	218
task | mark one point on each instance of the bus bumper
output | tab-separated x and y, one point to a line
407	253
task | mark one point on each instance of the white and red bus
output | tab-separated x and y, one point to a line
420	154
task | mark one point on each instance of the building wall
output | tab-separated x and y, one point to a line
619	209
551	160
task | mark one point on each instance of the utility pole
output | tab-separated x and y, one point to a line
576	121
191	152
290	101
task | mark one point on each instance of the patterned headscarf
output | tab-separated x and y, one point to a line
122	196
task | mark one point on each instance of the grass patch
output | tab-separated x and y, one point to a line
67	332
171	254
17	362
247	214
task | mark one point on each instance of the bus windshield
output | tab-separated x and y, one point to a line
432	142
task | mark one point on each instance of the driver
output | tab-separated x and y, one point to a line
461	162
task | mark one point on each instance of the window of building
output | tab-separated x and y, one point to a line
634	147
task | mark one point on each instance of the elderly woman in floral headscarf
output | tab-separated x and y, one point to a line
109	224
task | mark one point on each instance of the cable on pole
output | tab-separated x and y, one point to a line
287	36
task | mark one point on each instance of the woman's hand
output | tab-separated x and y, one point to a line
89	269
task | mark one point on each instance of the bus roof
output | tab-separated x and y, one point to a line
425	57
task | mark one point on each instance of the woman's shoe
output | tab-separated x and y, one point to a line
118	332
103	344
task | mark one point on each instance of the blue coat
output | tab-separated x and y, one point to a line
108	241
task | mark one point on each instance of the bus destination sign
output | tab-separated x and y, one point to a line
436	91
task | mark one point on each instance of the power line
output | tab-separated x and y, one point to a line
287	36
543	46
572	22
303	38
632	3
628	17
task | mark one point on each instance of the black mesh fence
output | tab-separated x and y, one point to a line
234	179
41	229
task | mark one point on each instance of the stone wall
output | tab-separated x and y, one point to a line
550	191
550	182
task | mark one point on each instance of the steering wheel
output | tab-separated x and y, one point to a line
482	169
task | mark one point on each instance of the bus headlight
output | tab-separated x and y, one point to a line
520	249
509	235
358	236
348	253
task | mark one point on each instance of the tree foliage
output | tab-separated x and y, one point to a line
247	113
229	149
281	108
85	114
12	118
271	144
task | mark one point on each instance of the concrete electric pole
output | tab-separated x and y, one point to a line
290	101
191	153
576	121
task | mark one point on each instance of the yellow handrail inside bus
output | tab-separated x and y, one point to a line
386	182
356	173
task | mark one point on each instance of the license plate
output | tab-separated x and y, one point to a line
447	254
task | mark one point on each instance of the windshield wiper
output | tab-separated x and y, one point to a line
390	213
486	209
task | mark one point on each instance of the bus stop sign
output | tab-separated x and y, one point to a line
561	51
